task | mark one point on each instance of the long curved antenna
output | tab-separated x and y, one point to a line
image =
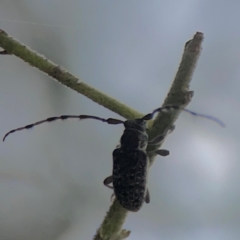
64	117
174	108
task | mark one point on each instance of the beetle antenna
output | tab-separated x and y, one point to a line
64	117
167	109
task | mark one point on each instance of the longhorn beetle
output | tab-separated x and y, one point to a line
130	159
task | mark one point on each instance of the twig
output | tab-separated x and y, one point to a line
179	94
12	46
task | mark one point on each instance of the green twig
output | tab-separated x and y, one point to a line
12	46
179	94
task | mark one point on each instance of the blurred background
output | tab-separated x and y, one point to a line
51	177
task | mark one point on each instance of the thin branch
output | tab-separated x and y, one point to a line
179	94
12	46
111	227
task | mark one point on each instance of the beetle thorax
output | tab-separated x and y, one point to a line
135	135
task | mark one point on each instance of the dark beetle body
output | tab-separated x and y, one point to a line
130	178
130	166
130	160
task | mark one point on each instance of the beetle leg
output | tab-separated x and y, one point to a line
147	197
108	181
158	139
162	152
112	197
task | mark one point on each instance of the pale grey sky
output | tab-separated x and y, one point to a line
51	176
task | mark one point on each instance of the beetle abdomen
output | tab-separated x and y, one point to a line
130	178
